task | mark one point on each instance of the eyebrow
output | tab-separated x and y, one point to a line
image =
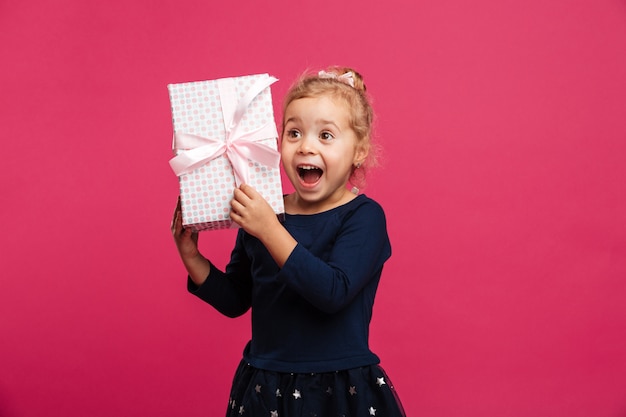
318	122
292	119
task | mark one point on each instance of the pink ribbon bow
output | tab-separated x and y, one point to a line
346	78
239	147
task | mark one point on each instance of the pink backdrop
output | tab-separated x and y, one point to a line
504	129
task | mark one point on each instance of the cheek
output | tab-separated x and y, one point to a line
283	154
287	149
285	159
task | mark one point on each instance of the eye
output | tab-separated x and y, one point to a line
293	134
326	136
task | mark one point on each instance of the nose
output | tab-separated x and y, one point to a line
306	145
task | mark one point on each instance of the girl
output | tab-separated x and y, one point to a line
310	280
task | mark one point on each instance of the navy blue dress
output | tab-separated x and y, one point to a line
309	352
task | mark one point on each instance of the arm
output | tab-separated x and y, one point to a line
230	295
229	292
186	241
252	212
359	247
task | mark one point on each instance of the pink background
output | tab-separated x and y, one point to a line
504	129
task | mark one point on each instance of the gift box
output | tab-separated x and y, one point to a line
224	135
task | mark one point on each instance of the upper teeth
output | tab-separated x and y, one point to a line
307	167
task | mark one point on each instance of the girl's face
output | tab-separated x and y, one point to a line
319	149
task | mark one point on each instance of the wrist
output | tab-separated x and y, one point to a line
198	268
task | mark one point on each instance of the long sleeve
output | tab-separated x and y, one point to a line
358	252
229	292
313	314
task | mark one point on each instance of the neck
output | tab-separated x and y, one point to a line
296	204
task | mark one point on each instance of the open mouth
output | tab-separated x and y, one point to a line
309	174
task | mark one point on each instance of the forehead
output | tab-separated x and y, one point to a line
325	107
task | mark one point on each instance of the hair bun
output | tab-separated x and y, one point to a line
339	72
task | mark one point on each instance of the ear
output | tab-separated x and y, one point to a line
361	152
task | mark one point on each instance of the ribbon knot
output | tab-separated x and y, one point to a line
193	151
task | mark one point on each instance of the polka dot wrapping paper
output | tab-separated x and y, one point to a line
198	109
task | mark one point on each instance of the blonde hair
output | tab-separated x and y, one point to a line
357	100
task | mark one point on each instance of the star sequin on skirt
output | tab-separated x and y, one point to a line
365	391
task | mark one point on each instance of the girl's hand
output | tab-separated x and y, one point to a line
252	212
197	265
186	240
255	216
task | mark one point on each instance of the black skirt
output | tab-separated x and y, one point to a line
365	391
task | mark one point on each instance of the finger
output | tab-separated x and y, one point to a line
248	190
177	225
176	210
187	232
236	207
236	217
241	197
175	222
